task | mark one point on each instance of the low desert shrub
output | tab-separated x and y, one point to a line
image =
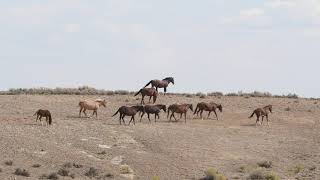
125	169
36	165
265	164
8	163
92	172
260	174
215	94
63	172
22	172
296	169
213	174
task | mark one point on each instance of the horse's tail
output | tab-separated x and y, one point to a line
116	112
148	83
252	114
138	92
50	119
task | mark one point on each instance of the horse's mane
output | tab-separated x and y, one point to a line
171	79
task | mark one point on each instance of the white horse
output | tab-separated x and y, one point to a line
91	105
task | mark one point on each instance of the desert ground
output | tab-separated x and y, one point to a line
164	150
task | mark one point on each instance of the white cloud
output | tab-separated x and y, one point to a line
280	3
72	28
251	13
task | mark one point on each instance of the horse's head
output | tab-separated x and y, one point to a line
219	107
190	107
169	79
163	107
270	108
101	102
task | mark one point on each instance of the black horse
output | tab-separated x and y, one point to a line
161	83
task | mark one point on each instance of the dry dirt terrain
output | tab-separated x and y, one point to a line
175	150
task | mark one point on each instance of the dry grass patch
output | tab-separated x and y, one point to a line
21	172
213	174
8	163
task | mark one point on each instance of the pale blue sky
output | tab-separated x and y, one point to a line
207	45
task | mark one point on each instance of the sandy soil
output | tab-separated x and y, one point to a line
168	150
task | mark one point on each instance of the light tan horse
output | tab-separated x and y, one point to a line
91	105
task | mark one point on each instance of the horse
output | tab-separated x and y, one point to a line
202	106
91	105
180	109
44	113
155	109
152	92
161	83
263	112
128	111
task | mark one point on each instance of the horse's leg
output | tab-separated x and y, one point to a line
216	114
174	116
84	111
185	117
181	115
155	117
257	119
262	120
150	99
267	117
149	117
201	115
141	115
209	114
80	111
96	113
120	118
123	119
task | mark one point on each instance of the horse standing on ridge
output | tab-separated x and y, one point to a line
161	83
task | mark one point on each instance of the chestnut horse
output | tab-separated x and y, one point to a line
152	92
91	105
155	109
161	83
128	111
180	109
263	112
44	113
202	106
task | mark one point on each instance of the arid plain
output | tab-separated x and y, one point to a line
164	150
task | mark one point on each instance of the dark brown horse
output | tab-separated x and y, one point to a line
161	83
202	106
152	92
44	113
263	112
153	109
180	109
128	111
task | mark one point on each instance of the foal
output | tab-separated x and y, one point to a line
180	109
155	109
44	113
152	92
128	111
202	106
263	112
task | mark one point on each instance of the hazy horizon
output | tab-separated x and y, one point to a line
228	46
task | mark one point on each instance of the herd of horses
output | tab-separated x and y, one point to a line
143	109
